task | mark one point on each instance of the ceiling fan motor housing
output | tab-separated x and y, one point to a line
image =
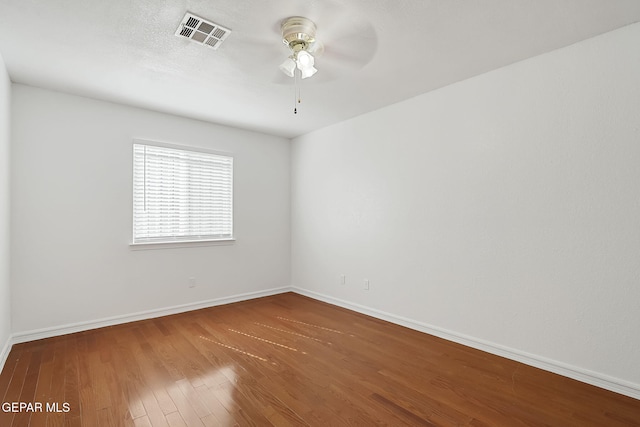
298	32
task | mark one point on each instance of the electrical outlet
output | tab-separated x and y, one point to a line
343	279
366	284
192	282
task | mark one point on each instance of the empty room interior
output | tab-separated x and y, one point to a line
305	212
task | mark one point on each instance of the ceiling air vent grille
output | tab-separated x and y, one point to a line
202	31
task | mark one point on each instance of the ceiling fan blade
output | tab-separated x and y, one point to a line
316	49
356	47
252	49
280	78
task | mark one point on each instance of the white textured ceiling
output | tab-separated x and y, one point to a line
377	52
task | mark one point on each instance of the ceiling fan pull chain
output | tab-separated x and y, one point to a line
296	92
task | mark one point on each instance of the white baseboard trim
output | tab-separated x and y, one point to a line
4	353
586	376
54	331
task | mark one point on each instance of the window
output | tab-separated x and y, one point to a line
181	195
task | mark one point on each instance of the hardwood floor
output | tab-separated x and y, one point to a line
287	360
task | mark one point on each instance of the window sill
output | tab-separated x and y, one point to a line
180	244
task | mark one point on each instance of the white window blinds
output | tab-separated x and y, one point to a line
181	195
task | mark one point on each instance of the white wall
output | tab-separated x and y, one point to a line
71	207
504	209
5	294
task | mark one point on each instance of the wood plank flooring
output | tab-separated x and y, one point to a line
287	360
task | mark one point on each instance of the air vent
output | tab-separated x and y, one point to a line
202	31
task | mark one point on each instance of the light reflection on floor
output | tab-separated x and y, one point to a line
292	333
309	324
234	349
210	397
267	341
216	393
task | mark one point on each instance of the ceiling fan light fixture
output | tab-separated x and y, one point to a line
308	72
304	60
288	67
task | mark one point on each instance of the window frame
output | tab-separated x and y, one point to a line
180	242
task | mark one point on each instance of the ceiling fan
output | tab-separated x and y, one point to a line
299	35
352	46
344	43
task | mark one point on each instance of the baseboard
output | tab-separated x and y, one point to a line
4	353
596	379
38	334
